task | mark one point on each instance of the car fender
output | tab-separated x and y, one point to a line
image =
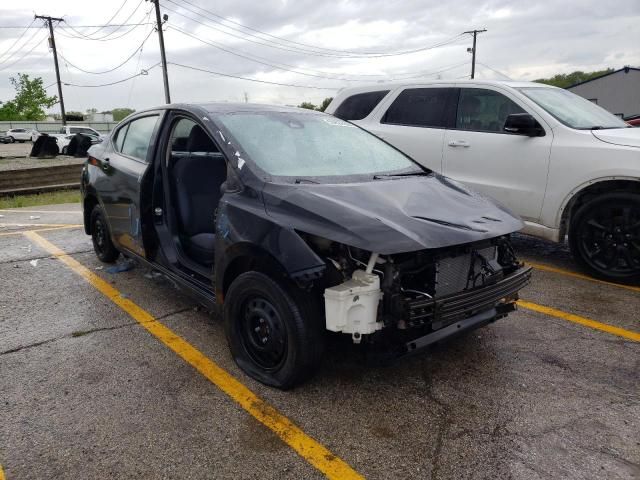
244	230
575	191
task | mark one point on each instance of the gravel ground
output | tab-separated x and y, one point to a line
15	156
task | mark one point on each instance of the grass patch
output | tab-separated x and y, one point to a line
47	198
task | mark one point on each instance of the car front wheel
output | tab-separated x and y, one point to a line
101	237
605	236
274	335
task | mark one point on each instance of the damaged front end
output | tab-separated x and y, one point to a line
407	301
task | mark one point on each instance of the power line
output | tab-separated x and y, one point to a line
79	26
144	71
111	69
37	44
251	79
109	36
294	69
111	19
304	51
496	71
344	53
18	50
19	38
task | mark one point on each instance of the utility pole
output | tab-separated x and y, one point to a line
473	50
163	57
52	45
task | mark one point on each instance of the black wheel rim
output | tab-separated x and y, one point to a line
609	239
263	333
99	235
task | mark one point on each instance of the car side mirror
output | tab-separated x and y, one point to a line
523	124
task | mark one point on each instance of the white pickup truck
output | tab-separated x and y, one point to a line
562	163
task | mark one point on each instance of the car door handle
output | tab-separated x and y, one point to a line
459	143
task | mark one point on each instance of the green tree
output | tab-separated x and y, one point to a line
307	105
120	113
30	101
325	103
564	80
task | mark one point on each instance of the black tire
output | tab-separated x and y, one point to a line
12	139
274	333
604	237
101	236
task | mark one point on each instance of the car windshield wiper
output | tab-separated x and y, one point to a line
417	173
304	180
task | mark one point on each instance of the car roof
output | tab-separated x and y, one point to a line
393	85
230	107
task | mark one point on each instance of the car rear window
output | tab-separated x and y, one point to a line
419	107
357	107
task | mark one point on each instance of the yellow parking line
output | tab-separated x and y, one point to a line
308	448
587	322
569	273
1	473
5	210
46	229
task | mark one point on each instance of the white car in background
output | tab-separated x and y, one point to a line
21	134
565	165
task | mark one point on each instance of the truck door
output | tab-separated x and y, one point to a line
510	168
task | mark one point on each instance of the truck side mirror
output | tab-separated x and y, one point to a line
523	124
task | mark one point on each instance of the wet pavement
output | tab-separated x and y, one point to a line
88	393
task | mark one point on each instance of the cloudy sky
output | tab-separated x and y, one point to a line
327	44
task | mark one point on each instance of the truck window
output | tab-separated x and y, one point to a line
419	107
484	110
357	107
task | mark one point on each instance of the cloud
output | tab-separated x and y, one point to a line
524	41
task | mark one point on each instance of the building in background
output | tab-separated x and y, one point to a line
617	91
99	117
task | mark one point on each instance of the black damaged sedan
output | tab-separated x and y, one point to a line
295	223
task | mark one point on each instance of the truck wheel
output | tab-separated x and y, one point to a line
604	236
102	244
274	335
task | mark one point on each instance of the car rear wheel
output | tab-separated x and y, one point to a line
12	139
274	335
101	237
605	236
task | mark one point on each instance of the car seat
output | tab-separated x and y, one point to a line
198	177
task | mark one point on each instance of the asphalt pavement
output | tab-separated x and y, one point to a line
121	375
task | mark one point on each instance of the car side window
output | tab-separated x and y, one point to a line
118	137
360	105
484	110
138	137
419	107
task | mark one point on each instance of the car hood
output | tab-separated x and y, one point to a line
390	216
629	137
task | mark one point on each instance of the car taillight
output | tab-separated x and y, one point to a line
93	161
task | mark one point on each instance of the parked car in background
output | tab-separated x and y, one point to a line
63	141
633	120
294	223
5	139
20	135
564	164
